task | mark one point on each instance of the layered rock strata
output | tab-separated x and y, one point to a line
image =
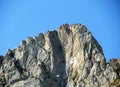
67	57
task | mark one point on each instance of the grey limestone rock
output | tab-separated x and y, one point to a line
67	57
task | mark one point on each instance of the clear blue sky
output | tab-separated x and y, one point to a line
22	18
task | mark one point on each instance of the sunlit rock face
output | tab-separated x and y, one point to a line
67	57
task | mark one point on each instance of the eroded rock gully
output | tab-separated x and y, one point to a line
67	57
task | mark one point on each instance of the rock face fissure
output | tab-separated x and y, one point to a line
67	57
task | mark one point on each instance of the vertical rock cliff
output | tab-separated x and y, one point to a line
67	57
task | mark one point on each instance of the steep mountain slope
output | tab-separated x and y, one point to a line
68	57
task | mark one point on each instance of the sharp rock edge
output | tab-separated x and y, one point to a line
67	57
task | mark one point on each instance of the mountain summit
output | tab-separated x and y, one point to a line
67	57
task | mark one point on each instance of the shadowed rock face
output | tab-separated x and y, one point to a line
67	57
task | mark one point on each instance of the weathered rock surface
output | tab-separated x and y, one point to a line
67	57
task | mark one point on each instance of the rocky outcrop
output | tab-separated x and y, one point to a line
67	57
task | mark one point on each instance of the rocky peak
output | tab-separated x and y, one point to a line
67	57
